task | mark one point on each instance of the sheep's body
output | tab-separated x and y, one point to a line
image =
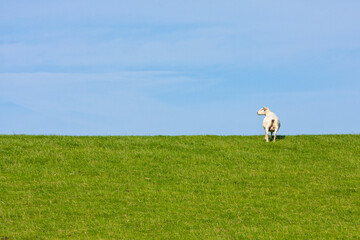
271	122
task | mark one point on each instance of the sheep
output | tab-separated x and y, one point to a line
270	123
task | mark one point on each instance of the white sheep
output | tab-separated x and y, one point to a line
270	123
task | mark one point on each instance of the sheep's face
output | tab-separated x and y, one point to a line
263	111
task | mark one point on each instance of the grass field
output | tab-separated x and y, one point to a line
183	187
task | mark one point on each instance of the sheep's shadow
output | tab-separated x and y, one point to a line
278	137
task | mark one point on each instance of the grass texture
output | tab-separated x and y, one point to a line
181	187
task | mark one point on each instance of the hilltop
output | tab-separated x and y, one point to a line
181	187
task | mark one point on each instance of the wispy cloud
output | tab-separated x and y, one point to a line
175	35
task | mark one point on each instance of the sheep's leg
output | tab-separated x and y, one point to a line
271	134
267	134
275	134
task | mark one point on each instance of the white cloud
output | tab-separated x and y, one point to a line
119	34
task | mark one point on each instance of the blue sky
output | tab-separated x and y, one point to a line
178	67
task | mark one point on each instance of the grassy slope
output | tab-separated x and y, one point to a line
204	187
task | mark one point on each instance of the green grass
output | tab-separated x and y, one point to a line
184	187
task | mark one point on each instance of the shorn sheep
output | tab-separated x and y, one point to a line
271	122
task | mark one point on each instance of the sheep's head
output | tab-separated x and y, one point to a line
263	111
